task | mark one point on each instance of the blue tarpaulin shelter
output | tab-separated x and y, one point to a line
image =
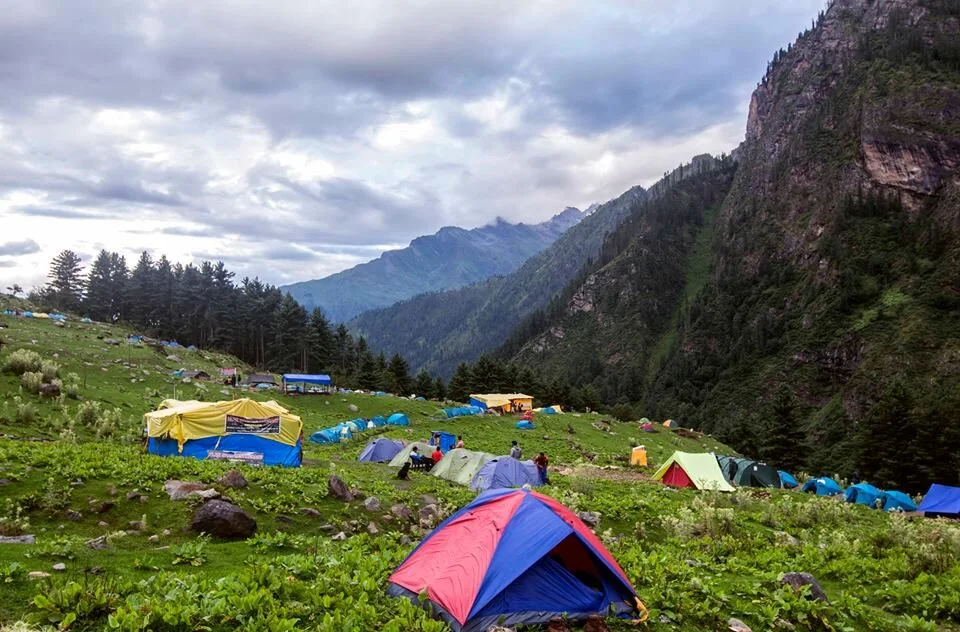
398	419
863	494
941	500
823	486
380	450
513	557
462	411
447	440
525	425
505	471
307	383
897	501
787	481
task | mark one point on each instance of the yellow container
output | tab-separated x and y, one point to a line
638	456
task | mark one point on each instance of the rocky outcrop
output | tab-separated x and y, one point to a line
223	520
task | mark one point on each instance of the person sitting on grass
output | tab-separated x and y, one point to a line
460	443
437	455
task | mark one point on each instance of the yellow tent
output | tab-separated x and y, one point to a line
502	400
190	420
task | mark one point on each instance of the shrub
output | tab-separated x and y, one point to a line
13	520
50	370
26	412
21	361
87	414
71	386
31	381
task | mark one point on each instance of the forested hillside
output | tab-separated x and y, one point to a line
451	258
202	306
825	296
438	330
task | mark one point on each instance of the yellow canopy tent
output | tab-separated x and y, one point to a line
237	425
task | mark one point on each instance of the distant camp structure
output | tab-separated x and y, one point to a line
307	384
941	501
260	381
236	430
503	403
514	557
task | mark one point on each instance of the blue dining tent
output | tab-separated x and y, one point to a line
380	450
823	486
447	440
941	500
863	494
787	481
897	501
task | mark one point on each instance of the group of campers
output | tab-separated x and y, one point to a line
434	453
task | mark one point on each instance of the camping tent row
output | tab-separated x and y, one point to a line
502	402
306	383
54	316
240	429
549	410
345	430
478	470
867	494
462	411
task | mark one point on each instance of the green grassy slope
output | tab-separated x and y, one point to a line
696	558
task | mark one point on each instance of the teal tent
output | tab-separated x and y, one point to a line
863	494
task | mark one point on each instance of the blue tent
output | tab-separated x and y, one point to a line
525	425
823	486
327	435
274	453
897	501
447	440
398	419
380	450
941	500
787	481
379	421
356	425
505	471
513	557
462	411
863	494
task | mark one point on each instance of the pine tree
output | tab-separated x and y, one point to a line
101	293
881	436
440	389
289	340
321	341
370	376
784	438
423	385
460	383
140	297
66	286
398	375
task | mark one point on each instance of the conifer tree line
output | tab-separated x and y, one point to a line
203	306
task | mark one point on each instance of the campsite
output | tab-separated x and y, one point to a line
100	507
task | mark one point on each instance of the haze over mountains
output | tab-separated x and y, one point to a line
450	258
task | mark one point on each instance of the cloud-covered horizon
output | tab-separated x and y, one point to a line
293	140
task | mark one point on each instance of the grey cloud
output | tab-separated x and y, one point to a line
7	264
19	248
62	213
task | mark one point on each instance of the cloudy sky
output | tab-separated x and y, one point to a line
295	139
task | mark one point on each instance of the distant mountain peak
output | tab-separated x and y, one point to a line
450	258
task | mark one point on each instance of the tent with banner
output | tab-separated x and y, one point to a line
505	471
460	466
240	429
691	469
380	450
512	558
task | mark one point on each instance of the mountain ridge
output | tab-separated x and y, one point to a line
450	258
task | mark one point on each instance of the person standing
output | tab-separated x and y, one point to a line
542	462
515	451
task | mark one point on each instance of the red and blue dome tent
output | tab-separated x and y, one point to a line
514	557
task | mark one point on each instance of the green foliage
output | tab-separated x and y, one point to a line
22	361
31	382
12	572
193	552
50	370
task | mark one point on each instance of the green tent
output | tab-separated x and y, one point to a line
696	470
460	466
728	465
404	455
755	474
